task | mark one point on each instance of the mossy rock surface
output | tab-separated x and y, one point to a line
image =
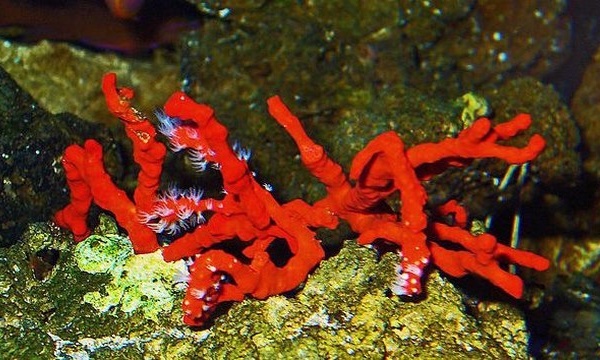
343	310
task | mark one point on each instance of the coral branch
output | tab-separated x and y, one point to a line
475	142
148	153
229	241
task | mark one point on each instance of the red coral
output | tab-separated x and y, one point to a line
248	213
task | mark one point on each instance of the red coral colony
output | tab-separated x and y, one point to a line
247	212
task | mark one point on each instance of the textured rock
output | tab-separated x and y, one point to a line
343	310
63	78
560	163
31	143
586	106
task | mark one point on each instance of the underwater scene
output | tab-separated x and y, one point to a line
256	179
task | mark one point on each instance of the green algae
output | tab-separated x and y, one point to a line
474	107
138	283
103	254
48	317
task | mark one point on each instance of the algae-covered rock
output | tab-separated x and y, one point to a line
560	162
413	115
125	306
348	77
343	310
447	47
586	104
137	282
31	143
64	78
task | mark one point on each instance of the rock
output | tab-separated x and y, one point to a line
31	144
343	310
